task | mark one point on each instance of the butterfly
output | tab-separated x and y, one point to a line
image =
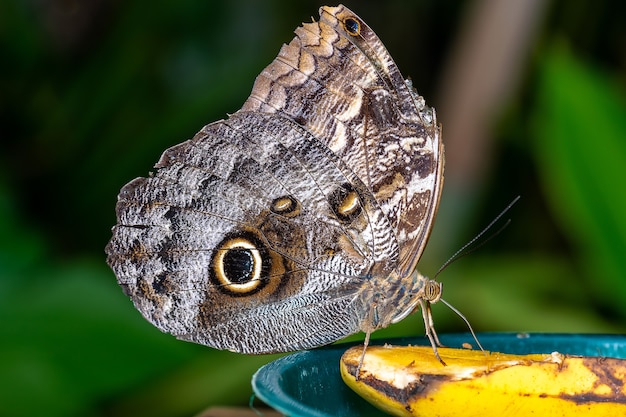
299	219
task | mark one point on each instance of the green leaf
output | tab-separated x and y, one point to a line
580	147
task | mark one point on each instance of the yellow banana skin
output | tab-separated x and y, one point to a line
410	381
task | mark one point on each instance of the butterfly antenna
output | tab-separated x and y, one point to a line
462	251
469	326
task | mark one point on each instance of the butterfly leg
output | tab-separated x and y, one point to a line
429	327
366	342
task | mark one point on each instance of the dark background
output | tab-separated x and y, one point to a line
532	101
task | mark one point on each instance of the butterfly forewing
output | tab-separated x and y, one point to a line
344	87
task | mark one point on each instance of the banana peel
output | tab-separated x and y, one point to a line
410	381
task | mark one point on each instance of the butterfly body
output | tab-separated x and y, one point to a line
299	219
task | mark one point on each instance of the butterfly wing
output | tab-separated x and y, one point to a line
337	79
277	229
251	237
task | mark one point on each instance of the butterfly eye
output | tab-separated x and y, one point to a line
238	266
432	291
352	26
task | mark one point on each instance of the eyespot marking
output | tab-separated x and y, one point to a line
239	265
352	26
346	203
286	206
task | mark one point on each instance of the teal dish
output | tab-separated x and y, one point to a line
308	383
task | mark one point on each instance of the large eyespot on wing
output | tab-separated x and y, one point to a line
241	265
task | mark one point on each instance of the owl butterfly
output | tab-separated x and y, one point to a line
299	219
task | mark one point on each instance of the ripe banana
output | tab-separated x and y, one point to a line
410	381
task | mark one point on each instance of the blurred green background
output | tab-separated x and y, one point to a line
532	100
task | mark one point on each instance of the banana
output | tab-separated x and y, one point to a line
410	381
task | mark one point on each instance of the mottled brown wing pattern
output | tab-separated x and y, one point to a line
253	187
337	79
298	220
